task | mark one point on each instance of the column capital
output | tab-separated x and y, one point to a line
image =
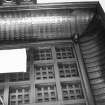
75	37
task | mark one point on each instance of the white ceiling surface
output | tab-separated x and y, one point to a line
12	60
102	2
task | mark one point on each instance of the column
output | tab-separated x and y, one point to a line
57	79
6	94
89	97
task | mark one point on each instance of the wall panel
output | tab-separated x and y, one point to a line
92	48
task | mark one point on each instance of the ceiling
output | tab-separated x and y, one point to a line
21	24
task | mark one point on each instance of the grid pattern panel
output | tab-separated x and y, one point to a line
1	95
44	72
43	54
72	91
18	77
13	77
20	95
68	70
45	93
2	77
64	52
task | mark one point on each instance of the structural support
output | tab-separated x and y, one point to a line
57	77
89	96
6	94
30	66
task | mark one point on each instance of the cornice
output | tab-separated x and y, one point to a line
62	5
